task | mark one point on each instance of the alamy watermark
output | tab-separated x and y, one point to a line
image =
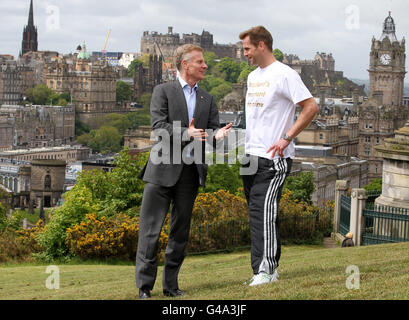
353	279
53	17
53	280
352	21
174	146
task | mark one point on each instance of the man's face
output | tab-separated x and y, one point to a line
195	65
250	51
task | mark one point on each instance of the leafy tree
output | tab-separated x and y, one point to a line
223	177
107	139
245	71
210	59
39	95
119	121
228	69
210	81
137	119
221	90
375	186
123	91
42	95
144	61
80	127
301	186
278	54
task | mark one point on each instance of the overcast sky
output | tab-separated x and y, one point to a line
343	28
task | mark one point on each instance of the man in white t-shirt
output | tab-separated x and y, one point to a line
273	91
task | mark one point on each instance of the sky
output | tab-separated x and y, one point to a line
341	27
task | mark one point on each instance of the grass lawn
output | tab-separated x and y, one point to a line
306	272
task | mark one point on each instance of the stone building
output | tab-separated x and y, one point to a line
65	153
138	139
384	111
39	183
36	126
327	168
145	79
164	45
47	182
395	174
91	84
15	79
341	135
235	100
320	77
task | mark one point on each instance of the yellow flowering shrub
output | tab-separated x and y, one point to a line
19	245
107	237
219	221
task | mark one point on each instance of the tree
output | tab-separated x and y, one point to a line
228	69
210	81
210	59
123	91
375	186
108	139
42	95
118	121
39	95
301	186
220	91
245	71
278	54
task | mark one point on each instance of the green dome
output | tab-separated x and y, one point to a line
83	54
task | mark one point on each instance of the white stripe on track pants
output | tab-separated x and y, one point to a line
263	192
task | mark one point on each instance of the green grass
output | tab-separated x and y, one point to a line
306	272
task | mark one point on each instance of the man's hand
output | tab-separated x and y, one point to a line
278	146
197	134
222	132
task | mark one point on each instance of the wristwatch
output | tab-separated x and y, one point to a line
287	137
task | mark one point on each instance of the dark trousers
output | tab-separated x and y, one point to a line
155	205
263	192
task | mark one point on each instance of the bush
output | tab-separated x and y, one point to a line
219	221
20	245
113	237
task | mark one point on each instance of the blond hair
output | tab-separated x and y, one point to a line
183	53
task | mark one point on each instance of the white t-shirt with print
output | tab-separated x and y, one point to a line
272	95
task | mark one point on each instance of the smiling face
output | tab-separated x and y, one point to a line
251	51
194	66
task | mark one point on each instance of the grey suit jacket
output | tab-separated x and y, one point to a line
169	110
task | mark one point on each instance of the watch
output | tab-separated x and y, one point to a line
287	137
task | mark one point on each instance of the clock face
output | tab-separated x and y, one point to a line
385	59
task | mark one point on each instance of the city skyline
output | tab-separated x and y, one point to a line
343	28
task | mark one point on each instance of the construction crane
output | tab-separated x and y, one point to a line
106	42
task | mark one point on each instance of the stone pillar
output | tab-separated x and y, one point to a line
356	225
341	188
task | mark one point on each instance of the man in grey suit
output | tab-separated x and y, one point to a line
181	116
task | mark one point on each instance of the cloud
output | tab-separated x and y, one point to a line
298	26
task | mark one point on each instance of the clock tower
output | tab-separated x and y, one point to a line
387	65
384	111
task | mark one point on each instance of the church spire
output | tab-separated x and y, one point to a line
30	40
31	15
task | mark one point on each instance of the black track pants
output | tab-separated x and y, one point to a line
263	192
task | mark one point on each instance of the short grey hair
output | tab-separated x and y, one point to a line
183	53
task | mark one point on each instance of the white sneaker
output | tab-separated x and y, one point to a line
249	281
263	278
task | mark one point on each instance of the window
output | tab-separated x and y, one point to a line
321	136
